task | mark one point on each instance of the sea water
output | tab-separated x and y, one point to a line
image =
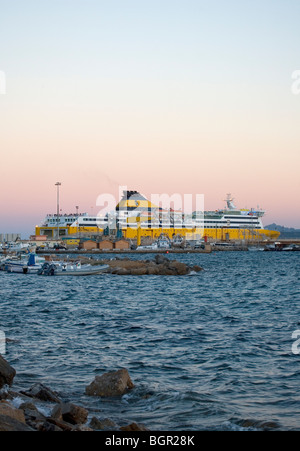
209	351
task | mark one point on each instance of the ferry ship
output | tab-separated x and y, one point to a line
136	215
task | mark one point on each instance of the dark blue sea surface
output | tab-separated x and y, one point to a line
211	351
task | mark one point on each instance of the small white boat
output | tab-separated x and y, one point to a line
150	247
161	243
52	269
291	248
29	264
255	249
16	246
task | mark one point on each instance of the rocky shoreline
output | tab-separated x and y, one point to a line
42	409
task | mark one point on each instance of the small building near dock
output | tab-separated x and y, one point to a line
106	245
122	244
38	238
88	245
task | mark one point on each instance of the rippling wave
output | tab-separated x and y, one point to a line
211	351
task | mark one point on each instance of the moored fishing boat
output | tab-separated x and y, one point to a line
53	269
8	258
26	264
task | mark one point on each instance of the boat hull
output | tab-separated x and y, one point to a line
80	272
22	269
52	270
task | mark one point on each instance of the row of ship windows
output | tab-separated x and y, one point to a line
70	221
205	226
242	226
54	221
232	222
205	222
241	217
179	226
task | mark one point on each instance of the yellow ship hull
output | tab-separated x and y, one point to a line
223	234
211	234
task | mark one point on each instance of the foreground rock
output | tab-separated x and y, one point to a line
33	417
103	425
134	427
16	414
114	383
73	414
7	373
40	391
8	424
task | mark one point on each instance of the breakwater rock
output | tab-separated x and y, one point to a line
161	265
41	409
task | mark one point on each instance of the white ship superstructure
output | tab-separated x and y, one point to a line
233	218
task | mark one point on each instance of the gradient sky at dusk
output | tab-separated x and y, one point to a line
164	96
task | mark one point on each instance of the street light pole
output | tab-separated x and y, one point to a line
77	219
58	184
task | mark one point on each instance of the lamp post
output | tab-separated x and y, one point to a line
77	220
58	184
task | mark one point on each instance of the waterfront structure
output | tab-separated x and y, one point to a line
9	237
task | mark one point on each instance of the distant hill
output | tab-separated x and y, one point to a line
285	232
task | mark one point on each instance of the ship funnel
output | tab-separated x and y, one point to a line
229	200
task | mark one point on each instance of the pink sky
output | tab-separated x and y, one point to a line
254	156
192	150
206	111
